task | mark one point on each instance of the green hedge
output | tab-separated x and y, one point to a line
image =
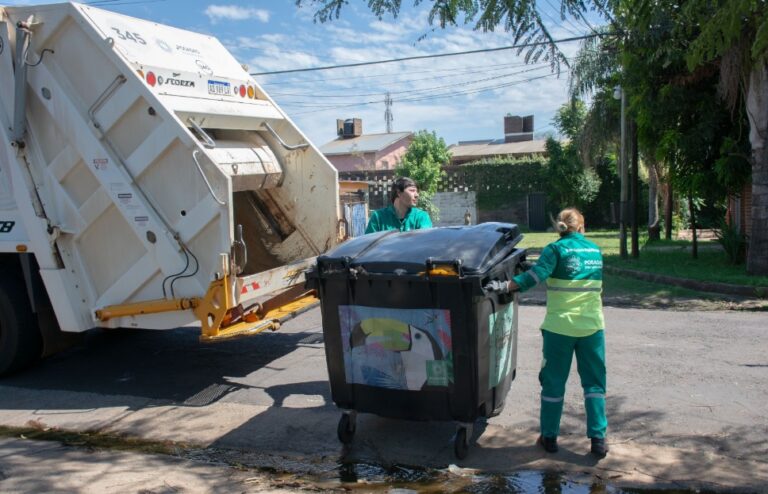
499	182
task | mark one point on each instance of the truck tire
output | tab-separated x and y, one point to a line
20	341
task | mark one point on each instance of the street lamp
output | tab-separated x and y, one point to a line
618	93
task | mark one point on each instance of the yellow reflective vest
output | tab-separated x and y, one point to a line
573	270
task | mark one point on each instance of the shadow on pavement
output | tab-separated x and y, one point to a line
166	366
640	448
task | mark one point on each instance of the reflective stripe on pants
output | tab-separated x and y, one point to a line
558	351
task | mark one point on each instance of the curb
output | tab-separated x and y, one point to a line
759	292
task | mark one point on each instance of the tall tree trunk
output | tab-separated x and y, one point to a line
668	211
694	238
757	111
653	201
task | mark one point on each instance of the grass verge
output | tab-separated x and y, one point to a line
671	258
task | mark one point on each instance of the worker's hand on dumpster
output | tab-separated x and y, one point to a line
497	286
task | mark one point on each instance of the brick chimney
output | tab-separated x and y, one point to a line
351	127
518	129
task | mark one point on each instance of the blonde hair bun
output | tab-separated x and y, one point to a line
569	220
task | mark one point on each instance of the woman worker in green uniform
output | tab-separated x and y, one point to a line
572	267
402	214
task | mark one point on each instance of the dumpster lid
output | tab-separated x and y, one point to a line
477	248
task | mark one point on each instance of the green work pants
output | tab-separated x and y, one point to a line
590	360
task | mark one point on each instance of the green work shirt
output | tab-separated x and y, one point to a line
573	270
386	219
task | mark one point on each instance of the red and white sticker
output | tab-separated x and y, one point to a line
249	287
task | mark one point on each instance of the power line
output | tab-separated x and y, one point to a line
423	98
411	91
416	93
452	71
562	22
436	55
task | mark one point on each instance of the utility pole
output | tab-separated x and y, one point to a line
388	117
618	93
635	192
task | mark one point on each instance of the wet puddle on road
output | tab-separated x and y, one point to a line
368	478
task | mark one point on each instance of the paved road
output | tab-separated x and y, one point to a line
687	400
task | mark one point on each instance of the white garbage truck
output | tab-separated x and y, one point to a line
147	181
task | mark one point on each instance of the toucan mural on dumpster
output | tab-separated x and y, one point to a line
396	348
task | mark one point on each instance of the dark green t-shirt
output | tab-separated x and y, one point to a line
386	219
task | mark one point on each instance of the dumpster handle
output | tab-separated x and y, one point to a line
430	264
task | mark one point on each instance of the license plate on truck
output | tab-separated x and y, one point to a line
219	88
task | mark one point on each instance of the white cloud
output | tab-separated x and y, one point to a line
273	58
460	97
217	13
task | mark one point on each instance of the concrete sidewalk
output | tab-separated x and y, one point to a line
686	405
41	466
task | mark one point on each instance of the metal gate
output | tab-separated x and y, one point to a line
355	213
537	211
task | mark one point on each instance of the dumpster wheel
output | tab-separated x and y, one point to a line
346	428
461	443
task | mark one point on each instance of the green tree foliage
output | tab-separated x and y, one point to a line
423	162
595	72
570	118
733	36
681	118
569	182
520	18
598	212
736	28
722	45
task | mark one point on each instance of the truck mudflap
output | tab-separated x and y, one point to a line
235	307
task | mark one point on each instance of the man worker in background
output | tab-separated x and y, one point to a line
402	214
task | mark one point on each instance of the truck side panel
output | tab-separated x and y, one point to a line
144	166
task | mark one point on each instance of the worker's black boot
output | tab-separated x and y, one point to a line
548	443
599	447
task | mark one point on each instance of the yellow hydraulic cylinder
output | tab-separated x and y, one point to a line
148	307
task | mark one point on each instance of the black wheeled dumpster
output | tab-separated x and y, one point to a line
410	332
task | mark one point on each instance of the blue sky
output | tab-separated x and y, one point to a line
460	98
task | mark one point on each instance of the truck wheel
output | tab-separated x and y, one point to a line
20	341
